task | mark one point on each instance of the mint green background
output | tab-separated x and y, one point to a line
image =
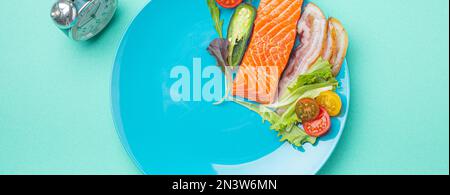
55	93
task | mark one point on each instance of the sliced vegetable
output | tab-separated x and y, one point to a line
320	72
239	32
331	102
307	109
215	14
229	3
319	127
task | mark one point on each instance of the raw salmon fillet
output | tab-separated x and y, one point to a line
268	51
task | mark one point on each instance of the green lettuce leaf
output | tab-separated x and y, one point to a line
294	135
266	113
289	117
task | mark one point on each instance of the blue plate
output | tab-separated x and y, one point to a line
164	136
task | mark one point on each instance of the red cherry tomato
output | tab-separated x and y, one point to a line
320	126
229	3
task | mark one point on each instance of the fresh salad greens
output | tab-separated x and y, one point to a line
310	97
320	75
239	32
266	113
320	72
215	13
282	115
219	49
293	134
296	136
229	4
289	117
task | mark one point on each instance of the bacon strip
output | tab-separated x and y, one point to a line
312	29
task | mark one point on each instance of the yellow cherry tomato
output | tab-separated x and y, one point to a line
331	102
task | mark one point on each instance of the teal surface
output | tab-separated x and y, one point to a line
55	94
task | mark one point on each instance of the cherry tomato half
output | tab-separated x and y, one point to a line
320	126
307	109
229	3
331	102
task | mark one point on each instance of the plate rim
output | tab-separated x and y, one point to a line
117	119
344	117
115	97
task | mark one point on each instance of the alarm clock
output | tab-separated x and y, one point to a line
81	20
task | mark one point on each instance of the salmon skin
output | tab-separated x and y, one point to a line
269	50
